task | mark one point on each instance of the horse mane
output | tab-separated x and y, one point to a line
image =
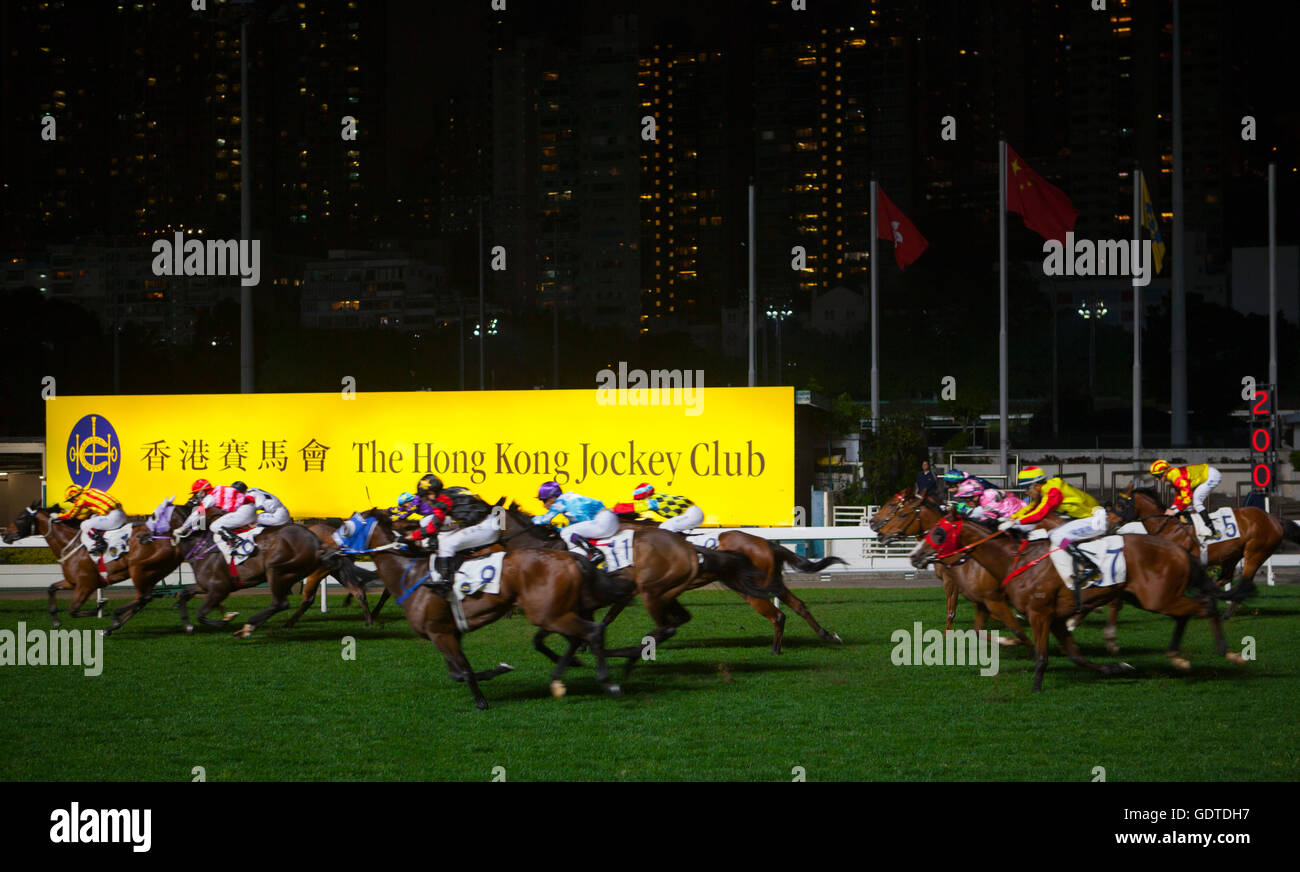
381	515
1151	494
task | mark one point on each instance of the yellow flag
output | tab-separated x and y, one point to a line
1149	221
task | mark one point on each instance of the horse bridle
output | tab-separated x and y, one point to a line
916	517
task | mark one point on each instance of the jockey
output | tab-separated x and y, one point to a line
239	509
97	511
676	514
985	504
407	509
588	518
1193	484
271	512
470	523
1088	518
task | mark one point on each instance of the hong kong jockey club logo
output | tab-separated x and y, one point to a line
94	453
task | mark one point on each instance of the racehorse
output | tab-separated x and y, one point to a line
144	565
325	533
1259	535
769	558
285	555
906	514
553	588
664	566
80	574
1158	574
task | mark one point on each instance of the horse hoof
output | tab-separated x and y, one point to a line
230	616
505	667
244	632
1007	641
189	629
1180	663
1112	649
481	705
1073	623
1234	657
614	690
558	689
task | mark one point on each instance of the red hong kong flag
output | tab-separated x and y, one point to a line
1045	208
894	225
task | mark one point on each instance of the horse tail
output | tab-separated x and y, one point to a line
734	570
343	569
802	564
1291	531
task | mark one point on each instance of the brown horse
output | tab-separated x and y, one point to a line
1159	573
285	555
906	514
664	566
553	588
769	558
81	575
1259	535
325	533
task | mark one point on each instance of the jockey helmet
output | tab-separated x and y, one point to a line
968	488
73	490
405	498
643	492
430	484
240	486
954	475
548	491
1159	468
202	486
1031	475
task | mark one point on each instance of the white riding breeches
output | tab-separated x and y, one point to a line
240	517
273	518
1080	528
1211	482
111	521
485	532
604	525
687	520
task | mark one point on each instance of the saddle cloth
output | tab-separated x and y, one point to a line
1225	521
1107	552
245	548
482	575
617	550
117	540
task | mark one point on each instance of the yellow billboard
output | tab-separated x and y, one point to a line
731	450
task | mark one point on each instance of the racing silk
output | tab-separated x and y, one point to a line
575	507
1185	480
264	501
408	512
88	504
1059	496
999	504
225	498
435	511
665	506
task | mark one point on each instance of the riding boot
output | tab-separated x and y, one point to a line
443	566
98	543
1209	524
593	553
1084	571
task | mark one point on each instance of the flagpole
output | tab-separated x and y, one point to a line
1137	320
875	312
753	378
1002	325
1177	292
1272	278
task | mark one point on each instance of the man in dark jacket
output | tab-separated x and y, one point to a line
925	480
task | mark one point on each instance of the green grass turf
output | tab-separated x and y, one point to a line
716	704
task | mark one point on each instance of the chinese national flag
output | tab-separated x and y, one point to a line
1045	208
893	225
